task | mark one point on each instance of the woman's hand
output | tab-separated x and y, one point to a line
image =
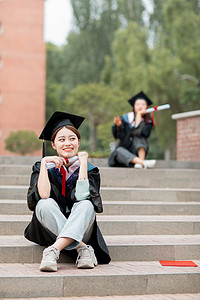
82	156
139	116
57	160
117	121
142	112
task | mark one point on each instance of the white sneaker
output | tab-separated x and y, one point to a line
86	258
138	166
149	164
49	259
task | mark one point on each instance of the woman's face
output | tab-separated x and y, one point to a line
66	143
140	104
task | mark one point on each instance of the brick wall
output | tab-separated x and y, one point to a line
22	68
188	136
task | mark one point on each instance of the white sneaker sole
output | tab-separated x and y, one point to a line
138	166
48	267
86	264
150	164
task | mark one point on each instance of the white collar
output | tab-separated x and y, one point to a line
131	118
71	169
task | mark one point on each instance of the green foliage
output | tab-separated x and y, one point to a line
175	64
168	71
54	63
98	103
53	98
23	142
183	41
112	54
130	58
54	77
83	55
131	11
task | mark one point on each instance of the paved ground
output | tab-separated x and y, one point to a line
114	268
139	297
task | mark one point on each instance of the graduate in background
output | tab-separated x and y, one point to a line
133	130
65	198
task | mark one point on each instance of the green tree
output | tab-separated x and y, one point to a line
130	10
83	55
82	58
184	42
23	142
54	61
90	42
129	64
99	104
177	48
54	78
111	43
175	62
167	69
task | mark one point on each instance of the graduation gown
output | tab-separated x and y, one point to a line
36	233
126	133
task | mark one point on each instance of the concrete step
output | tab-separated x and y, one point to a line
16	249
18	160
15	170
148	225
119	225
150	208
19	207
19	192
167	178
14	207
121	278
185	296
120	177
99	162
150	194
14	179
102	162
13	192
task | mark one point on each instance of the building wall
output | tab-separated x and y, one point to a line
22	68
188	136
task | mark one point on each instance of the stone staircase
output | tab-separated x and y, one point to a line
149	215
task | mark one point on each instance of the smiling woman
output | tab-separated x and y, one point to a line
57	21
65	198
66	142
133	129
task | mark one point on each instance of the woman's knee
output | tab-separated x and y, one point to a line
84	205
43	206
120	150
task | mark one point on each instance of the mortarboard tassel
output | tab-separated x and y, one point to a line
63	172
43	149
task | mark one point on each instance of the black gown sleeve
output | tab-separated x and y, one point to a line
119	132
94	186
33	195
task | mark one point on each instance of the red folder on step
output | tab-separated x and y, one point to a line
177	263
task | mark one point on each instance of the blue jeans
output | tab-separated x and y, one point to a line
78	226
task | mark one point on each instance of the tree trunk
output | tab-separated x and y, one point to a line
93	133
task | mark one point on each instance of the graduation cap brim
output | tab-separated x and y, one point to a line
58	120
140	95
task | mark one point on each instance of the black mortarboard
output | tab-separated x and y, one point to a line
57	120
140	95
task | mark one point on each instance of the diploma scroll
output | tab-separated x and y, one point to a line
51	165
160	107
